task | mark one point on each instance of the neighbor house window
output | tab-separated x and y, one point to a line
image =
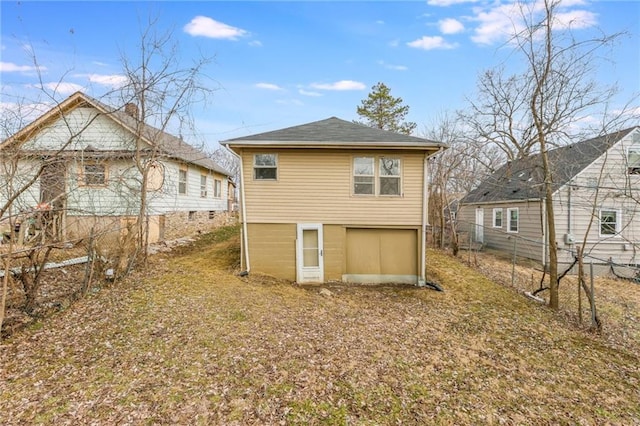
633	160
389	176
363	176
513	217
94	174
217	188
182	180
265	167
203	186
609	222
497	218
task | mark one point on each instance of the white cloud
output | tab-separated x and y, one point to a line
308	93
113	80
63	88
11	67
393	67
431	43
380	22
499	23
207	27
255	43
448	2
268	86
339	85
450	26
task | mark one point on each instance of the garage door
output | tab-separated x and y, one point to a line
382	255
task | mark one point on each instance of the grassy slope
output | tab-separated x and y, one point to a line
190	343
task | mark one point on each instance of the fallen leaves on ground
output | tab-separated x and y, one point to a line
190	343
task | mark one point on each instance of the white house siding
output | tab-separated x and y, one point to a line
617	191
528	241
29	198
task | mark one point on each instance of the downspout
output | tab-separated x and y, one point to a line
244	242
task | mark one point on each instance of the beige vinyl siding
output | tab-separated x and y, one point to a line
530	240
316	186
273	249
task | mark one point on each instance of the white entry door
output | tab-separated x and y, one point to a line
479	225
309	256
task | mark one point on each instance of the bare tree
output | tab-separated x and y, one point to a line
542	106
159	95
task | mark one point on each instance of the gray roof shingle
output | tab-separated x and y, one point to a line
523	179
332	131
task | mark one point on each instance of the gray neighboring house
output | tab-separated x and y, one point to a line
596	198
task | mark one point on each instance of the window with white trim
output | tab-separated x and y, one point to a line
363	176
217	188
384	180
513	220
609	222
265	167
633	160
497	218
389	176
182	180
203	186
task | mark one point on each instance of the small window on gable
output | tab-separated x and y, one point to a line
94	174
363	176
203	186
389	176
497	218
609	222
265	167
513	224
633	160
182	180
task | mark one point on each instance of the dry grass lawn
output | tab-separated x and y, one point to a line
190	343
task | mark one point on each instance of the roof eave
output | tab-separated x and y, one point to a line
335	145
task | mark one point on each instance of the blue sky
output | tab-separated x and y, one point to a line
279	64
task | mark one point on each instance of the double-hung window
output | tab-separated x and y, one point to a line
497	218
513	220
609	222
633	160
203	186
265	167
182	180
389	176
217	188
363	176
376	176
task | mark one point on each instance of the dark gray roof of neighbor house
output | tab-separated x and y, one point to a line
523	179
332	132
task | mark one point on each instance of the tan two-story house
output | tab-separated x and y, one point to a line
333	200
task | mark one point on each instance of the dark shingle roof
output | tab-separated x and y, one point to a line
523	179
332	131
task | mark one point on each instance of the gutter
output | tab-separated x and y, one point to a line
244	242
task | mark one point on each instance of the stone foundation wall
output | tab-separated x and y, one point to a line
182	224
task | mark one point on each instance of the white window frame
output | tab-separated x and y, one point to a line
495	217
617	226
376	177
633	168
183	180
89	177
203	186
509	210
257	167
397	177
371	177
217	188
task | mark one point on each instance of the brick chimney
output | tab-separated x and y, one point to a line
132	110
